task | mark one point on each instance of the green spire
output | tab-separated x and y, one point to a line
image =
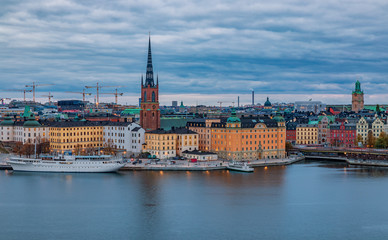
357	88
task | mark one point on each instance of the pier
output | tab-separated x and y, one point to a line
185	165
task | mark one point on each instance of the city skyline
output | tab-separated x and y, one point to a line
203	53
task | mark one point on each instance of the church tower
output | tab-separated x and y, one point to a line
357	98
149	113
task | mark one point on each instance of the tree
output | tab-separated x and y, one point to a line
288	146
28	149
382	140
358	140
17	148
109	147
370	141
77	149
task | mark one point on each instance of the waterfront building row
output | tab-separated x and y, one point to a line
75	135
242	139
345	133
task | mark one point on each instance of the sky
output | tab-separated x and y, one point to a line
203	51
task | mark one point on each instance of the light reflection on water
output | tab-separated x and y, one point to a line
302	201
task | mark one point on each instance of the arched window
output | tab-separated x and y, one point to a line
145	96
153	96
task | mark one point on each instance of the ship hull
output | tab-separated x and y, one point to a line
76	167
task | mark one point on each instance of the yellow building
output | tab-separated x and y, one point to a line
72	136
166	144
307	134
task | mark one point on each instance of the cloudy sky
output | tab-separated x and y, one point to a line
203	51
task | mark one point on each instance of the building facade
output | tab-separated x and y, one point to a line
307	134
249	138
150	112
29	131
73	136
291	132
310	106
366	125
124	136
324	130
203	127
357	98
343	134
167	144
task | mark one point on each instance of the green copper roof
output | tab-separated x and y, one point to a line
278	118
27	112
233	118
7	122
131	111
31	122
267	103
358	88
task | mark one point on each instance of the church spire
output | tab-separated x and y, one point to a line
150	71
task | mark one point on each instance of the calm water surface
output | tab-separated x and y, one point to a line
301	201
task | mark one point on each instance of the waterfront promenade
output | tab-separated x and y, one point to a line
186	165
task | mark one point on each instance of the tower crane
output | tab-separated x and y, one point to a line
49	97
98	87
220	105
33	86
83	94
21	90
116	95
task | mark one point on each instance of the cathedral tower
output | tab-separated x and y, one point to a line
149	113
357	98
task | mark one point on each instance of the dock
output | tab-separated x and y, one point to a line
205	166
275	162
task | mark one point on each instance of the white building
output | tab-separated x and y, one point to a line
200	155
364	125
124	136
310	106
29	131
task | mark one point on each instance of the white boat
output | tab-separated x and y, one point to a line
102	163
242	167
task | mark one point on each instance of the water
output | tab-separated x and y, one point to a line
301	201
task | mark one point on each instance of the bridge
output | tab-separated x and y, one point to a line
355	156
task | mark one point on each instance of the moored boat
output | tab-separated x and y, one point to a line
242	167
101	163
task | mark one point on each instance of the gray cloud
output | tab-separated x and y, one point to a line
199	47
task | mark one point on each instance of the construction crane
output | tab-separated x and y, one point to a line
49	97
116	95
33	86
83	94
2	100
21	90
220	105
97	87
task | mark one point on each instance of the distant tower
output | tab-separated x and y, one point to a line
253	97
149	113
357	98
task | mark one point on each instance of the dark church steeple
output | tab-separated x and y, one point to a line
149	113
150	72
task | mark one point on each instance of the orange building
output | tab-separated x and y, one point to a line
246	138
203	128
